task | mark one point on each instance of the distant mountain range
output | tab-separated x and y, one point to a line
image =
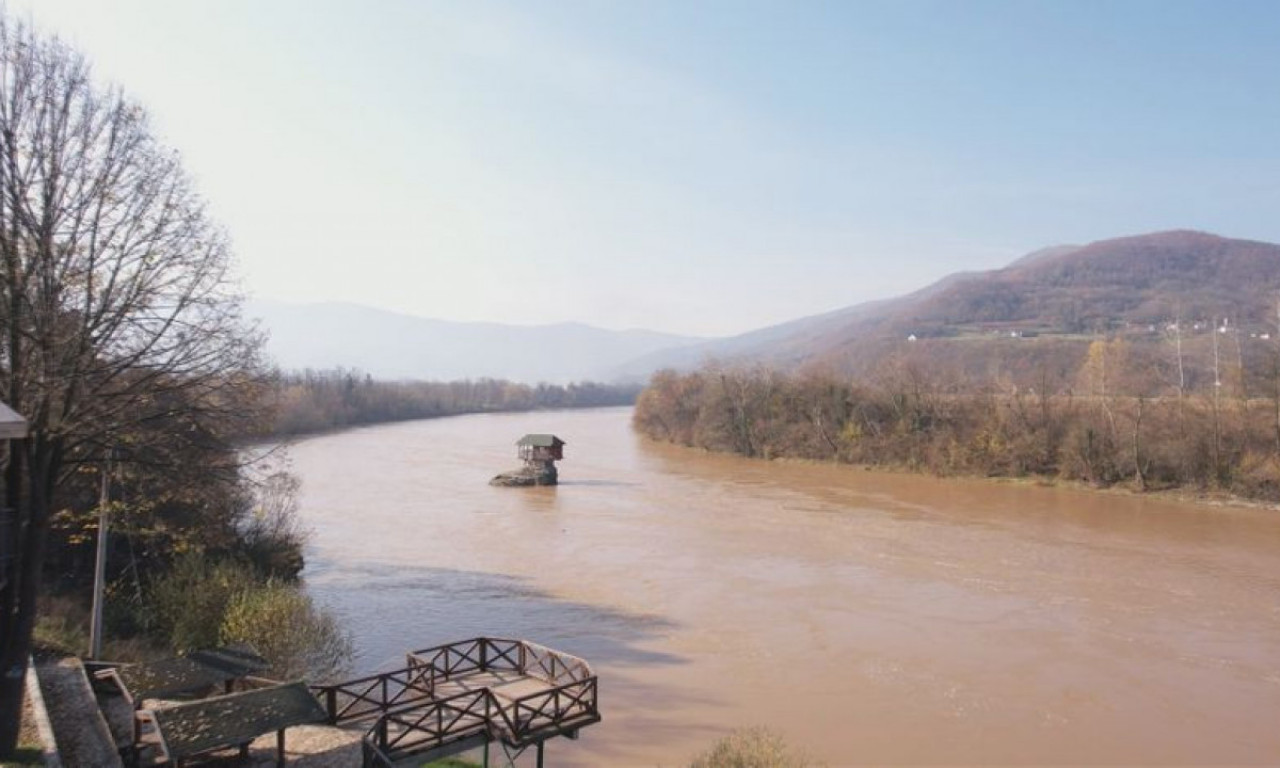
390	345
1063	296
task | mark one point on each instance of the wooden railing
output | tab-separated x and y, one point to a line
372	696
428	726
546	713
410	719
553	666
519	722
455	659
496	654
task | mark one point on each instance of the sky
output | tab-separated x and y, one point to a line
694	166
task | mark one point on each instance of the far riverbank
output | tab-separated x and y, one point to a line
1194	447
316	402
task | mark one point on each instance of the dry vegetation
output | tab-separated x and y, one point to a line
1203	416
752	748
313	401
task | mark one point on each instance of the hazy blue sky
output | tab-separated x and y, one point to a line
698	167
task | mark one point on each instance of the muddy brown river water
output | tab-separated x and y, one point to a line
869	617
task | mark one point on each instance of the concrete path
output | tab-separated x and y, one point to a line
78	726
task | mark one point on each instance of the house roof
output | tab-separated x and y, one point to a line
11	424
540	441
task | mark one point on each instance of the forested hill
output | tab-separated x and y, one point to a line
1039	311
1143	280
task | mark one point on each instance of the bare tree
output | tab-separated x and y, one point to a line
1275	377
1174	331
116	305
1217	401
746	394
1177	344
1097	374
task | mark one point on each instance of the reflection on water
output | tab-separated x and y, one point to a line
871	617
401	608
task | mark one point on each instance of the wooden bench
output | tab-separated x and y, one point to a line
193	728
196	671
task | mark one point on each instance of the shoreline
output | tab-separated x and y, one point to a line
295	437
1219	499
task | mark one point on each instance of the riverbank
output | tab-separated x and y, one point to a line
1201	497
316	402
1193	445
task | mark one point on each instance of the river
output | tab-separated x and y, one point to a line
870	617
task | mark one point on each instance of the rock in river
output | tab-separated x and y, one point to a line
520	478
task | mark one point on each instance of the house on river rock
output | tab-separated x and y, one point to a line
539	452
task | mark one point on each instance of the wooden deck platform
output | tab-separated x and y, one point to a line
476	691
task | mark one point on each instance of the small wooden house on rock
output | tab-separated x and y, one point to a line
539	452
540	449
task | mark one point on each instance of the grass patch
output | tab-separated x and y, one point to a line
62	626
62	629
452	762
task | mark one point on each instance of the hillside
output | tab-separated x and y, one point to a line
389	345
1035	315
1040	310
1144	279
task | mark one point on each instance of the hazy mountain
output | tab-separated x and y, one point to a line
396	346
1062	295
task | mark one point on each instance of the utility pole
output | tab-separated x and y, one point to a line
100	564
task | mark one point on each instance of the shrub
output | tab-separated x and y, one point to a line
1258	477
273	536
281	621
188	602
752	748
